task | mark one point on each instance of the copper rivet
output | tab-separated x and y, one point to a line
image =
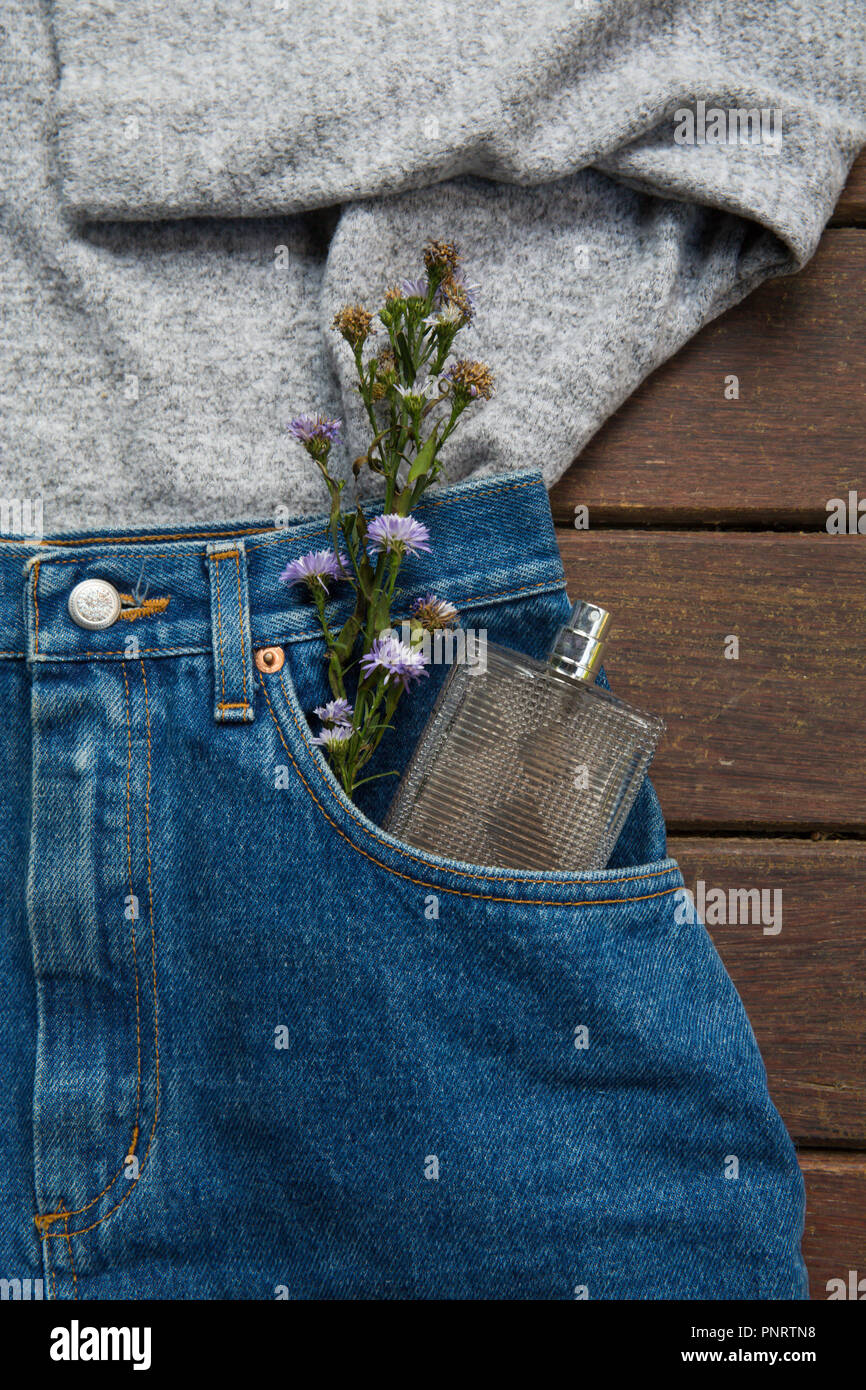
269	659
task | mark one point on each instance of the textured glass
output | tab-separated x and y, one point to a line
519	767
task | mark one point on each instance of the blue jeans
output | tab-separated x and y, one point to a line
253	1047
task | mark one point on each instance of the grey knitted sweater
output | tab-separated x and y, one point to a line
189	188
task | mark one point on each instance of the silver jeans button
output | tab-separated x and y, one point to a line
94	603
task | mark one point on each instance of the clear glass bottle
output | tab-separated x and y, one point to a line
525	764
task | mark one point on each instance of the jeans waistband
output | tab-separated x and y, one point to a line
491	539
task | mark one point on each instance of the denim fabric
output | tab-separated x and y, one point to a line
253	1047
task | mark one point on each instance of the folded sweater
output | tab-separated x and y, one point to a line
188	191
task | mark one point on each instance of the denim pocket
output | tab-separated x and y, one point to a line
345	819
574	1056
527	623
565	1050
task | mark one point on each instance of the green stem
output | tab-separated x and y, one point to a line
375	777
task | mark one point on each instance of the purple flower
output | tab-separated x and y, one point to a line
313	429
395	659
333	739
402	534
414	289
335	712
315	568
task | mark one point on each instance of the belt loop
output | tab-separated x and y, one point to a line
230	631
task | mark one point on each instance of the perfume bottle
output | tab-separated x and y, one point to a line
526	764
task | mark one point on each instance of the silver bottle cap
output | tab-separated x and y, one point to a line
577	650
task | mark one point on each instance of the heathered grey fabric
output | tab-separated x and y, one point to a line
189	188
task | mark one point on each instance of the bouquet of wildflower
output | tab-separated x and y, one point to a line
413	391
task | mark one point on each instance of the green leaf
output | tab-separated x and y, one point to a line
424	459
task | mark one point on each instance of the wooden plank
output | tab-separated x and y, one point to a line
799	966
771	739
851	206
834	1243
678	452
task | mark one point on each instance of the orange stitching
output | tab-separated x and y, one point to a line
77	1211
196	554
295	637
464	873
223	554
36	601
431	502
510	486
310	636
121	651
508	593
142	540
191	554
132	904
84	1229
460	892
249	531
201	554
71	1256
243	629
220	628
145	609
315	635
235	704
150	901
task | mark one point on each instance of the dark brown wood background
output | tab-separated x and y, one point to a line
707	519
